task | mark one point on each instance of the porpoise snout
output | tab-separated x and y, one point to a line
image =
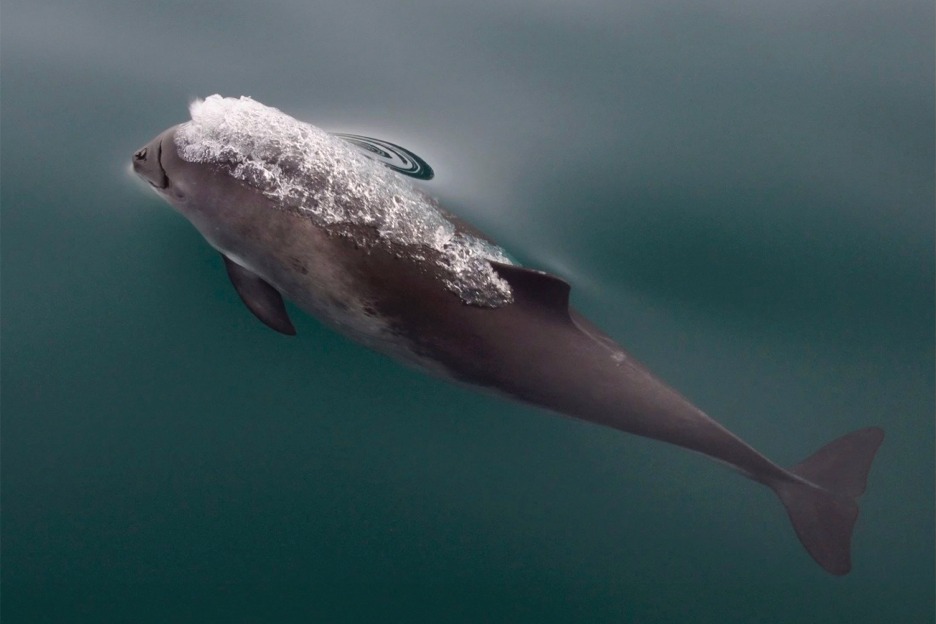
146	164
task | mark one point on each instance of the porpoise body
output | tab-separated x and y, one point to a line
302	214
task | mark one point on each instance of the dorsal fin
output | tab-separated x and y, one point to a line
537	288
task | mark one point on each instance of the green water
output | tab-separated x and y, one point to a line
742	195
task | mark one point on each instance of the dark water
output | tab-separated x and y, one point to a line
742	194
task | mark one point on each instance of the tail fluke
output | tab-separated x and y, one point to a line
824	510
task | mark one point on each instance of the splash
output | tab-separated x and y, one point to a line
325	177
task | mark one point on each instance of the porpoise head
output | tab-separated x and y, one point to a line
158	164
236	155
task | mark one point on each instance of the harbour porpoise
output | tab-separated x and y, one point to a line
299	213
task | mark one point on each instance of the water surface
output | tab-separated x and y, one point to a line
742	195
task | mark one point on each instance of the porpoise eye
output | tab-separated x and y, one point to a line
141	155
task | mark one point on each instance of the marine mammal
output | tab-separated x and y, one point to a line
298	213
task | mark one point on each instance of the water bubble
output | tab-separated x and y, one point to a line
339	183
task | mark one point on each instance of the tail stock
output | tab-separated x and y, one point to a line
823	503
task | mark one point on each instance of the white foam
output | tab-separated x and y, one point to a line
305	168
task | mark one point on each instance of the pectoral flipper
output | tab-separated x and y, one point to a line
260	298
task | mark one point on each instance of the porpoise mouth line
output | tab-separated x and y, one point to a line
161	169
